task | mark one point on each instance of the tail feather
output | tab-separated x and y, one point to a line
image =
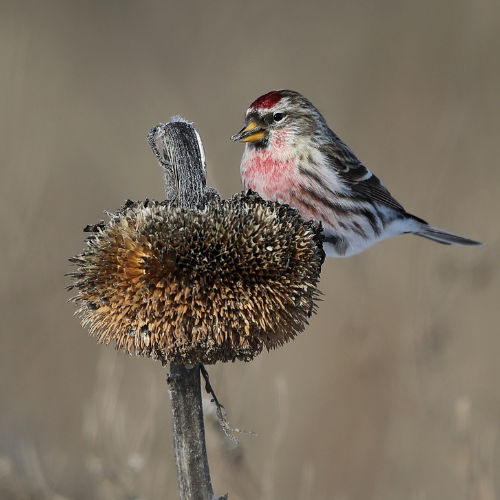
444	237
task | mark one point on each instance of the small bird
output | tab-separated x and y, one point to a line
291	156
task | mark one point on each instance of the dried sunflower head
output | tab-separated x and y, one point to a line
199	284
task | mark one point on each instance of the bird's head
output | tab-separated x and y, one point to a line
280	118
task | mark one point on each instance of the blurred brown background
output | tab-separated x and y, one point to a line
393	391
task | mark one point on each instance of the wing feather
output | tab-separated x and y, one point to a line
363	184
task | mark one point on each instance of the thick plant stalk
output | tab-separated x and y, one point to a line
179	151
191	461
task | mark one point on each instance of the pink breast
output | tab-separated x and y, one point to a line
268	175
276	179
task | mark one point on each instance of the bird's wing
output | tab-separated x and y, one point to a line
363	184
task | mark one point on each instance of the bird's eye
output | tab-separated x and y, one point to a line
277	117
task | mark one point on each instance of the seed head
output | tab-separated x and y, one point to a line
201	284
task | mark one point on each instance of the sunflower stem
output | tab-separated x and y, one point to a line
179	152
193	474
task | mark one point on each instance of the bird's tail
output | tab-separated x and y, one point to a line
442	236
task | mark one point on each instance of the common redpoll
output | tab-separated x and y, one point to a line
291	156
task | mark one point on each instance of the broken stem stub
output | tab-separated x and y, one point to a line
179	151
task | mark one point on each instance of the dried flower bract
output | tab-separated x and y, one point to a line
202	284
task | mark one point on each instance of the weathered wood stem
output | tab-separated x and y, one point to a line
191	460
179	151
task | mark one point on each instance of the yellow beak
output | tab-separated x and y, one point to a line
251	133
